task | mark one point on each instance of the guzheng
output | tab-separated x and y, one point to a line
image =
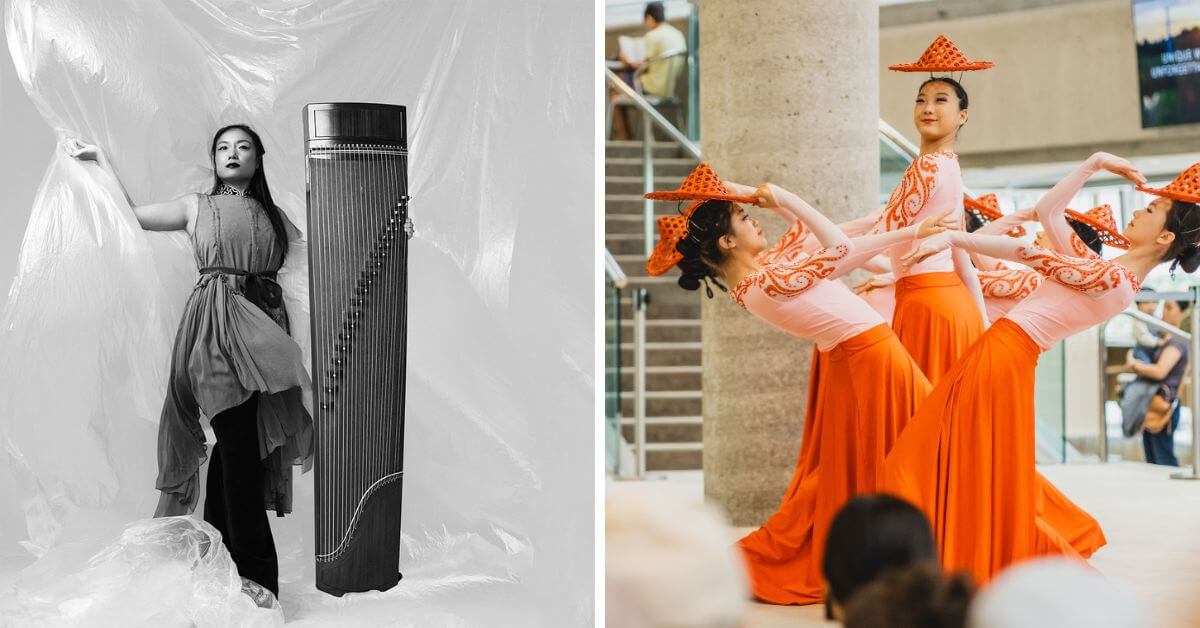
357	178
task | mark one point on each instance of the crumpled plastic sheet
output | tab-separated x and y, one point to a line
121	584
498	521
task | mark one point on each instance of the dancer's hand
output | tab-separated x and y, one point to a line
766	198
1120	167
936	224
923	249
82	151
871	283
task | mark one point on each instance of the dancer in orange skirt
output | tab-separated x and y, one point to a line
939	307
1072	234
864	386
967	456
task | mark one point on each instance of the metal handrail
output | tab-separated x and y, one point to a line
640	296
613	269
899	140
648	111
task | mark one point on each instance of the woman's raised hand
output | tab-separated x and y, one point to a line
936	224
82	151
1121	167
766	198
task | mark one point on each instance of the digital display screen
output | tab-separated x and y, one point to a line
1167	34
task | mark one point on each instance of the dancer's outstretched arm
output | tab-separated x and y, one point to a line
1008	222
792	245
822	228
175	215
1051	208
1092	276
868	247
791	279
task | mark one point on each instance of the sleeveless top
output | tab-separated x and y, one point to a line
227	349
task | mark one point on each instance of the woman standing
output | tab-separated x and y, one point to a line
233	360
967	456
939	308
864	385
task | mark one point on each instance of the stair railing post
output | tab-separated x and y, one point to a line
1102	437
1194	351
647	183
639	379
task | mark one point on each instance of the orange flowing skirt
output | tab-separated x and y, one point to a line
937	321
861	394
967	460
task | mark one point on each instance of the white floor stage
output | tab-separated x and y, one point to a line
1152	523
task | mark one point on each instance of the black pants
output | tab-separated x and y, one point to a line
234	503
1160	447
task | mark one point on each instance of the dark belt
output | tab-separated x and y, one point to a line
260	288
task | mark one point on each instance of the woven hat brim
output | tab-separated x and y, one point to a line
662	259
961	67
676	195
1107	236
985	212
1172	194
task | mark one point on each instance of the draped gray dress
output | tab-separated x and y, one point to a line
226	349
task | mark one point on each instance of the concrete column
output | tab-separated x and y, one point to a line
789	93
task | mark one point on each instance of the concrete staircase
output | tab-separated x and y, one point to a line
673	377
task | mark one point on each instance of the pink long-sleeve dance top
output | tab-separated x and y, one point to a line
1079	292
798	291
931	184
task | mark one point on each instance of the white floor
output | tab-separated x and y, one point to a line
1151	521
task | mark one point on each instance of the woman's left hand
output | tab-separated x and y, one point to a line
936	224
925	248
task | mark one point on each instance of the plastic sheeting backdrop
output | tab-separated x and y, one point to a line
498	503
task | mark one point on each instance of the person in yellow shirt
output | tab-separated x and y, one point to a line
660	39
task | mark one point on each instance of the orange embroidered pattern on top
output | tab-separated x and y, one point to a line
785	280
910	194
1092	276
788	248
1009	283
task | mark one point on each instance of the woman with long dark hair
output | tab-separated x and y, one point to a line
967	456
863	386
233	360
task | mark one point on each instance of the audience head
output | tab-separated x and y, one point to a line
1174	312
917	596
870	535
654	15
1147	307
670	563
1054	592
